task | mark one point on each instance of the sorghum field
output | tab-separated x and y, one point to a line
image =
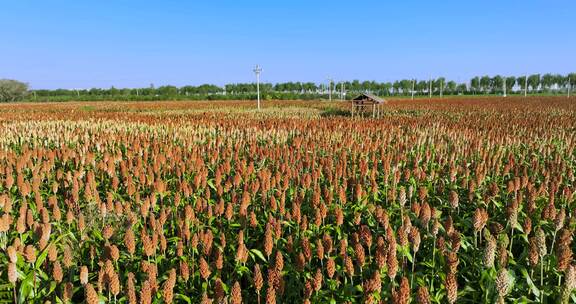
443	201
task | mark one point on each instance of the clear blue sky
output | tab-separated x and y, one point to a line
128	43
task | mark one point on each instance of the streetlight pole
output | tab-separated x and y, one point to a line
257	71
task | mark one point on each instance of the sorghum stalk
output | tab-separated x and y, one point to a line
412	276
511	237
541	280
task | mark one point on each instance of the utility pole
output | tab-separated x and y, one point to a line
413	81
441	87
330	88
257	71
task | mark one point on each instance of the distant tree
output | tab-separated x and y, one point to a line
167	90
559	81
475	84
438	84
95	92
521	81
486	84
387	87
148	91
462	88
422	86
280	87
12	90
308	90
134	92
113	91
451	87
366	86
497	83
396	87
265	88
534	82
406	86
374	86
208	89
310	86
355	86
572	79
548	80
337	87
188	90
510	82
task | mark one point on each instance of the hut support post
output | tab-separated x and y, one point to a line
374	110
352	109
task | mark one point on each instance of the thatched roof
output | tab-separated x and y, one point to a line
365	97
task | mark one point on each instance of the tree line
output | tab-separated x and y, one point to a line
11	90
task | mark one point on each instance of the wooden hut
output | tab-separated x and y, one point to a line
364	102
